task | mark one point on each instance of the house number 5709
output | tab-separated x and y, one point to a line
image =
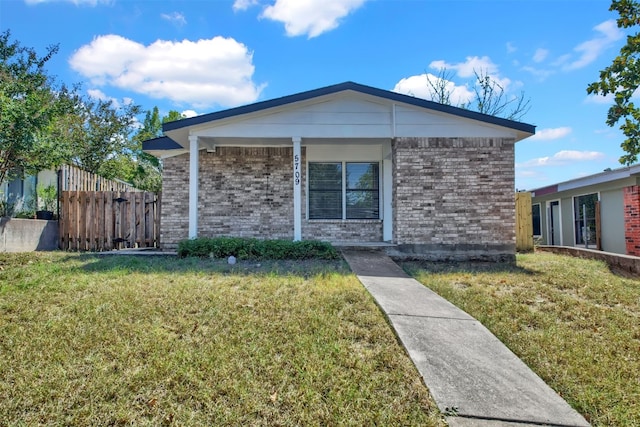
296	169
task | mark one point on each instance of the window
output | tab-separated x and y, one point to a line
344	190
325	190
535	215
584	216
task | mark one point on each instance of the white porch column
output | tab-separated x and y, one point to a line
297	189
387	192
193	187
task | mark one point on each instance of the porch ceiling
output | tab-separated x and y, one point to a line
209	142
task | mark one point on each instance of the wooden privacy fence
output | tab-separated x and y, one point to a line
524	222
106	220
72	178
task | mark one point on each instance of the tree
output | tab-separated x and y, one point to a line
103	137
44	124
621	79
30	101
489	96
146	172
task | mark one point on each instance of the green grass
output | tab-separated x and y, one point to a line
571	320
88	340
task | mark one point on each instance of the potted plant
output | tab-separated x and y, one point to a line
47	196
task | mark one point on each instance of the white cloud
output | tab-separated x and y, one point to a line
243	4
541	74
99	95
188	113
483	66
562	158
540	55
311	17
600	99
419	86
511	47
550	134
469	67
591	49
203	73
175	18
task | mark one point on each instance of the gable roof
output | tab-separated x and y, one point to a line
254	122
356	87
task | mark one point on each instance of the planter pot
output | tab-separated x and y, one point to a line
48	215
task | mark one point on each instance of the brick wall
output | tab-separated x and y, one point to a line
454	197
174	213
246	192
337	231
632	219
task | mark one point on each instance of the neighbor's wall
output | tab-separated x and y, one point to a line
612	229
454	198
632	219
26	235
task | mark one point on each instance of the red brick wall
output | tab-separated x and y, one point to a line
632	219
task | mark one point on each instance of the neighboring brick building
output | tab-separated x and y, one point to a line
600	211
344	163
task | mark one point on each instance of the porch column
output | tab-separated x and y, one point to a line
387	191
297	192
193	187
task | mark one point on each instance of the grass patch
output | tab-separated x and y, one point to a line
89	340
571	320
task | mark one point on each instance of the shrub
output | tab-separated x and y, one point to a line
248	248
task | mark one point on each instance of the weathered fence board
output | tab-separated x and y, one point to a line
524	222
107	220
72	178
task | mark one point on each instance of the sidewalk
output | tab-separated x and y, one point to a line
475	380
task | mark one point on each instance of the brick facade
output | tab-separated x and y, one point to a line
174	212
631	196
247	192
338	231
454	197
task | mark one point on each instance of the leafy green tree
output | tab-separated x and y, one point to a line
622	79
30	101
102	137
146	171
44	124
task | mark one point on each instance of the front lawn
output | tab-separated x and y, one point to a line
90	340
572	321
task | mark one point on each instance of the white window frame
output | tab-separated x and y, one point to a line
573	216
548	228
539	205
344	189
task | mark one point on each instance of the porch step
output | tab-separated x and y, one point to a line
362	246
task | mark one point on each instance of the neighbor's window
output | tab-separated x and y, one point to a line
584	216
535	215
344	190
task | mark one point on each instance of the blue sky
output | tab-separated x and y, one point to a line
201	56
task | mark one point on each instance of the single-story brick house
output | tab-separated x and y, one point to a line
344	163
600	211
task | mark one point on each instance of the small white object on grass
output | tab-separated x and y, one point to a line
231	260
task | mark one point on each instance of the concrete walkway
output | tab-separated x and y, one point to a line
475	380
